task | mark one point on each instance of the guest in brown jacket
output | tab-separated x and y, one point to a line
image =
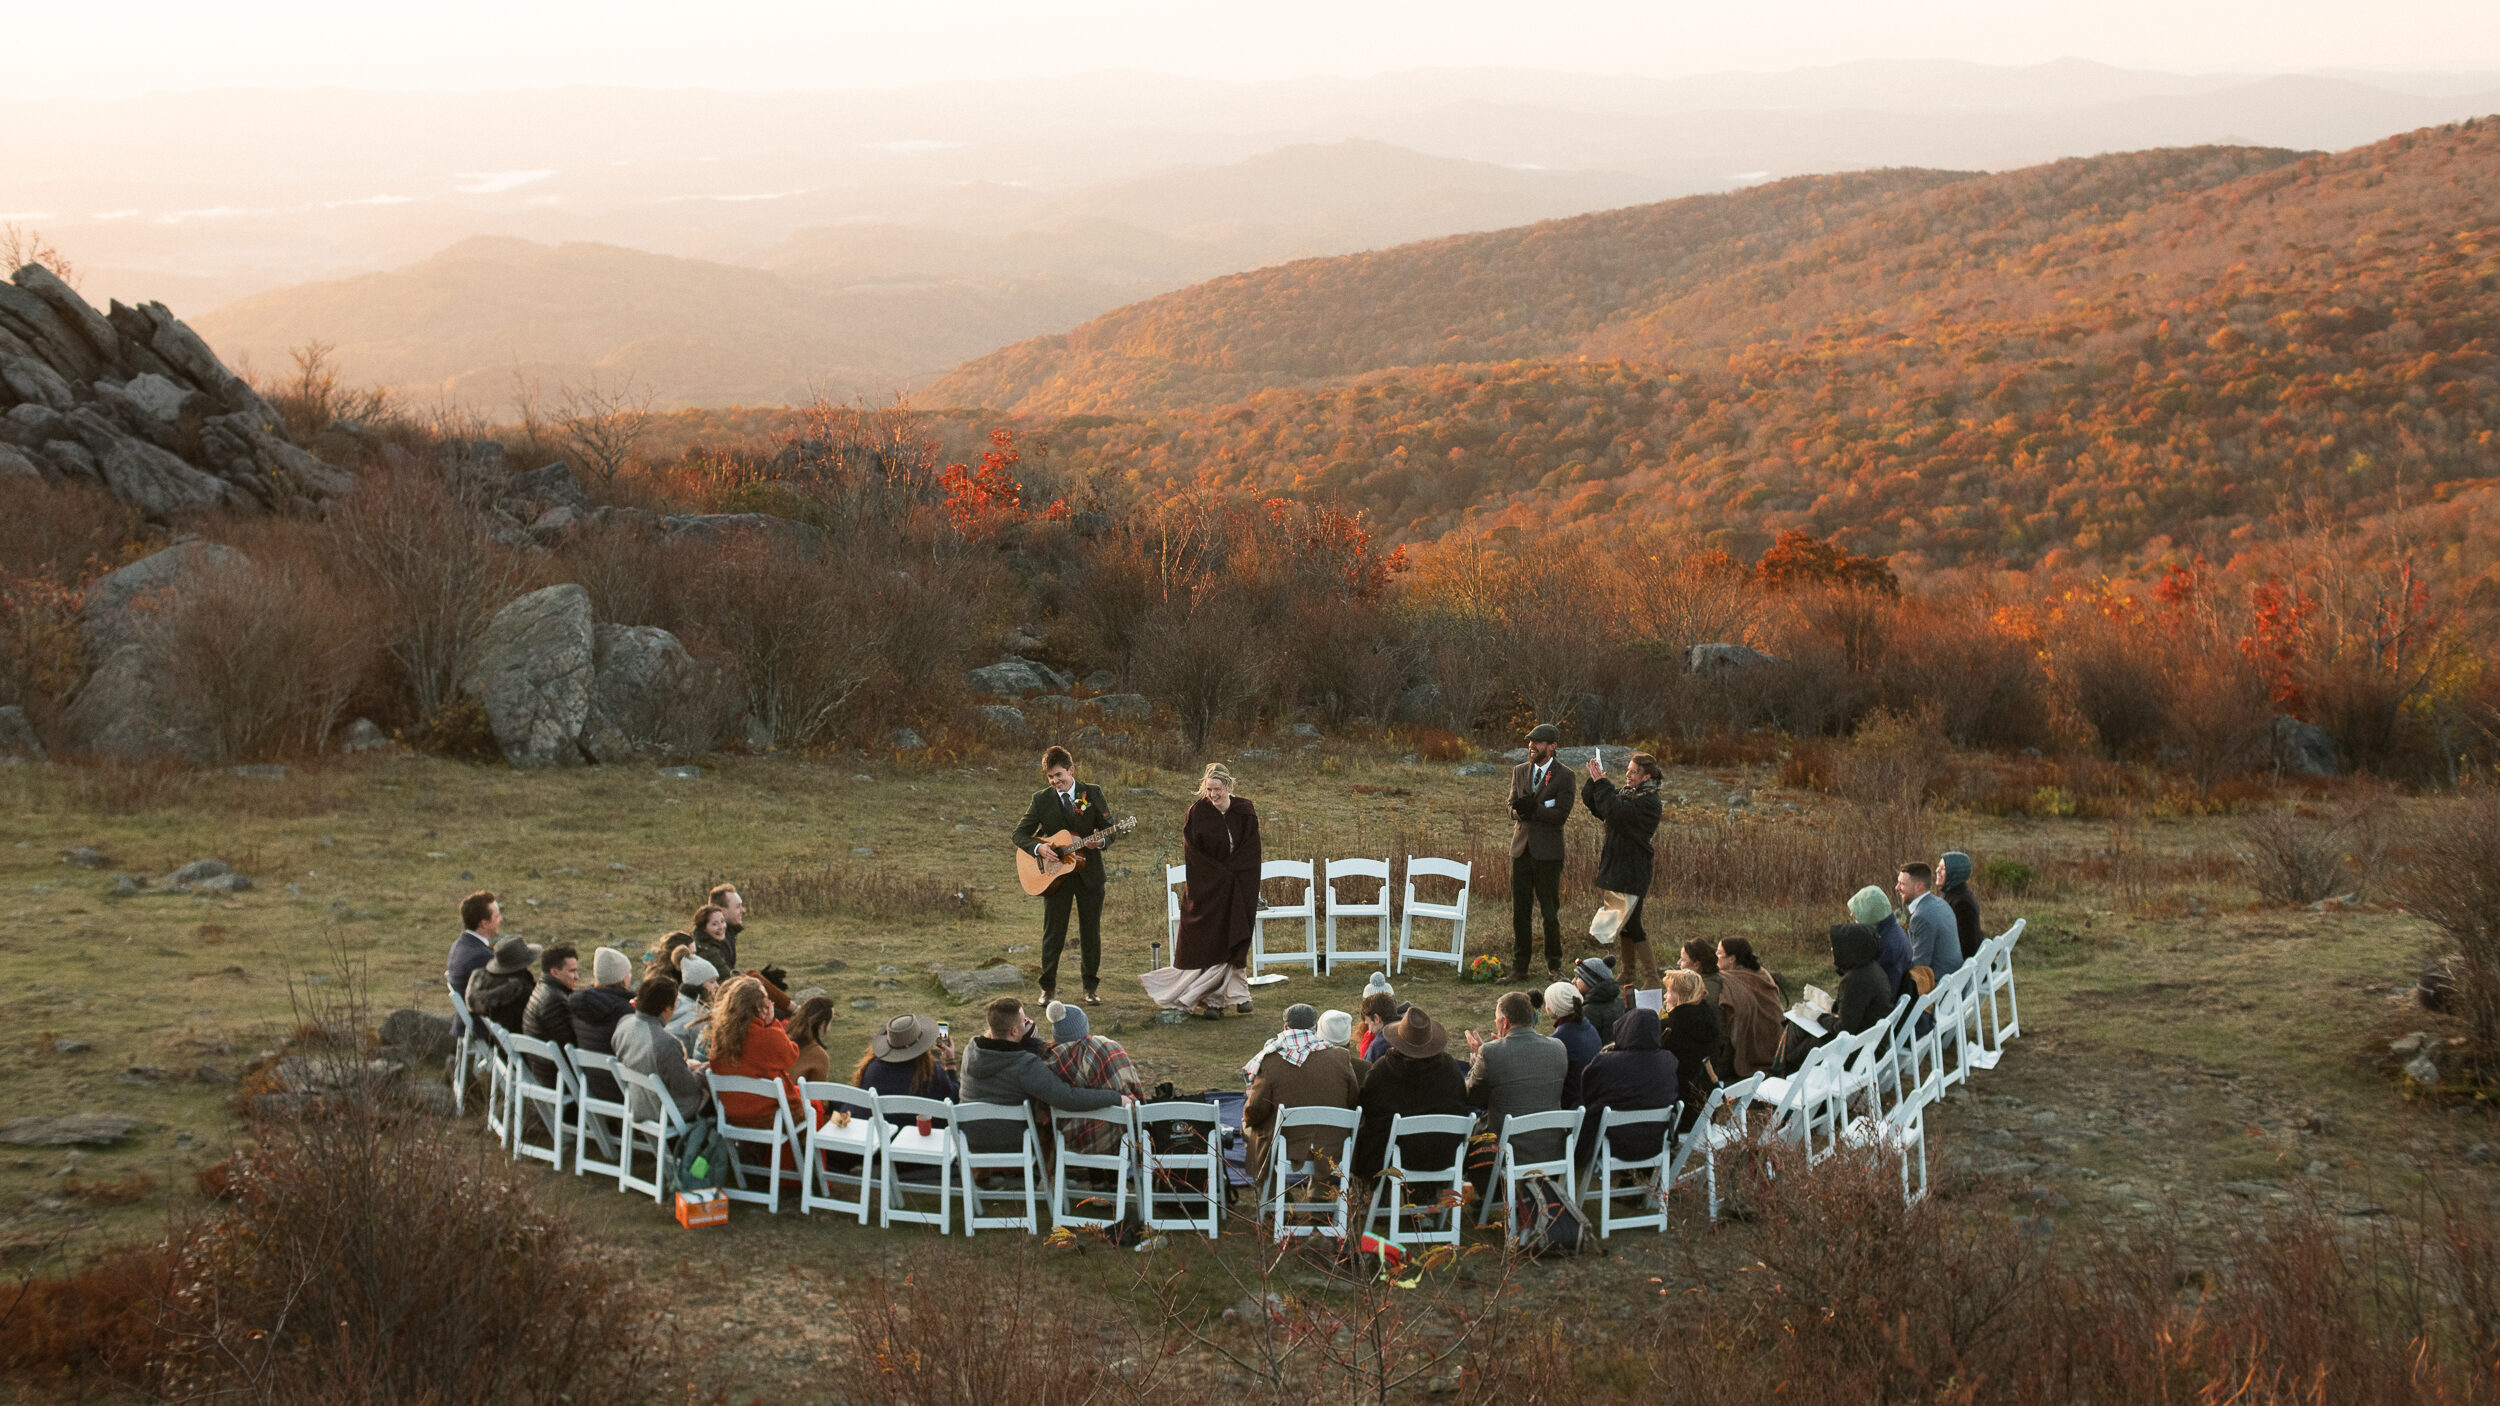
1297	1069
807	1031
1750	1000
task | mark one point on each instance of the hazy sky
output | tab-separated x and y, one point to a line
110	47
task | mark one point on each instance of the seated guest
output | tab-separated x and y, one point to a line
1337	1028
1752	1007
1954	869
1935	938
1601	996
1414	1076
549	1015
807	1031
1579	1038
1517	1071
481	918
1295	1069
1634	1073
698	987
725	897
1089	1061
1001	1067
908	1056
1892	946
1701	957
747	1043
500	990
596	1010
1378	1013
1692	1036
1866	995
644	1046
710	927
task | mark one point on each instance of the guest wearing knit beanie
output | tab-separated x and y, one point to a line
1873	907
596	1010
1335	1028
1067	1023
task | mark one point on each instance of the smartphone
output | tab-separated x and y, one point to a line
943	1033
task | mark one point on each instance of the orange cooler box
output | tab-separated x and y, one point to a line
696	1209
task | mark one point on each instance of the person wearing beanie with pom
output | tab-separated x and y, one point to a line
1579	1038
1601	996
1088	1061
1295	1069
597	1008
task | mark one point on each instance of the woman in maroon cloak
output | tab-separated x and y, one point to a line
1219	903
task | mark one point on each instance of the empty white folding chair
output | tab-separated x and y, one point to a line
1725	1122
470	1054
1287	916
1511	1166
1366	895
1613	1179
1884	1077
1175	878
1922	1049
1180	1154
982	1172
1081	1206
1416	1190
1331	1131
1453	912
842	1148
2000	1012
916	1162
1957	1013
597	1119
1900	1132
1810	1107
653	1119
500	1085
542	1085
766	1152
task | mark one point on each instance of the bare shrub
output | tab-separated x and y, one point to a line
265	655
1895	759
20	246
792	626
2301	855
310	399
1196	659
917	1339
603	424
2451	878
416	537
2220	717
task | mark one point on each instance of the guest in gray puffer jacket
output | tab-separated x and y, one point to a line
1006	1066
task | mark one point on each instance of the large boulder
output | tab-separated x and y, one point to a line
124	710
149	477
18	741
1005	717
1014	678
648	695
118	603
533	673
726	527
1725	658
2305	749
1122	705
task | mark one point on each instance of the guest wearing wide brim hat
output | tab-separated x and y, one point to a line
1416	1076
500	990
907	1055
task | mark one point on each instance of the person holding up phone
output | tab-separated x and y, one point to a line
1631	815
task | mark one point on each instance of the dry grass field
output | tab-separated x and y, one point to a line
2190	1057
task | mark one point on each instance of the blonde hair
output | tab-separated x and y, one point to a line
739	1007
1216	771
1684	986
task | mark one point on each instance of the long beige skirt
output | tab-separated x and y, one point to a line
1184	988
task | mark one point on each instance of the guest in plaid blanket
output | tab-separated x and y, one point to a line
1089	1061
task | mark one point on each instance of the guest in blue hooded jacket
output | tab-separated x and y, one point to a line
1635	1073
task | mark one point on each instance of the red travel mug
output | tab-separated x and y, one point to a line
924	1125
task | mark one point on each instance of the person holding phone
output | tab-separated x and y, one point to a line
910	1055
1631	815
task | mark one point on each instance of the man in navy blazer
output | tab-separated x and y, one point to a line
1541	793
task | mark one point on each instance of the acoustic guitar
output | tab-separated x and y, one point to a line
1068	855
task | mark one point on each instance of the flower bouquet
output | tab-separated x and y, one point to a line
1484	970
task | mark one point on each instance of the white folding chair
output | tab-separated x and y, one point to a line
1901	1132
1884	1080
1648	1175
1024	1163
1175	878
780	1143
1724	1122
1510	1167
1453	912
1180	1150
1810	1106
1922	1050
1424	1193
905	1147
501	1098
1080	1206
548	1095
1996	963
1307	912
470	1056
1332	1132
852	1129
598	1119
1957	1011
652	1114
1377	909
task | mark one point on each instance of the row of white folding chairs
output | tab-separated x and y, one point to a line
1323	907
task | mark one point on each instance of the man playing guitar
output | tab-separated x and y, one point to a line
1079	809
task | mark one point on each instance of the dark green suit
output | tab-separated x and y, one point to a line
1048	815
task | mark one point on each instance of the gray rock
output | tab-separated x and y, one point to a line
123	710
17	736
124	886
14	463
428	1096
1014	678
533	673
1724	658
113	614
156	397
1122	705
2304	749
72	459
796	536
85	857
1307	731
199	871
223	884
981	984
308	1074
363	736
73	311
903	739
1059	703
30	425
187	357
648	695
756	733
864	1003
548	487
1419	705
1476	769
2410	1045
681	773
422	1034
31	381
1101	681
69	1130
1259	754
1002	716
2422	1070
147	476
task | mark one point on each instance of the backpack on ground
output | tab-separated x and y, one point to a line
1545	1220
700	1160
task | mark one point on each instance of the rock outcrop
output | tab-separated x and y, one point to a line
124	709
560	689
2305	749
134	401
1725	658
647	696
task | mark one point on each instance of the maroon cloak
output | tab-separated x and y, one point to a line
1220	900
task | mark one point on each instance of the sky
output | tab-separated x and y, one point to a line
103	48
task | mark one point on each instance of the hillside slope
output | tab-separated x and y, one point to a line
2094	356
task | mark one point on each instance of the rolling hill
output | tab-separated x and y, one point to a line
2097	356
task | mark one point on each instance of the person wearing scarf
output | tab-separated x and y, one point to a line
1296	1069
